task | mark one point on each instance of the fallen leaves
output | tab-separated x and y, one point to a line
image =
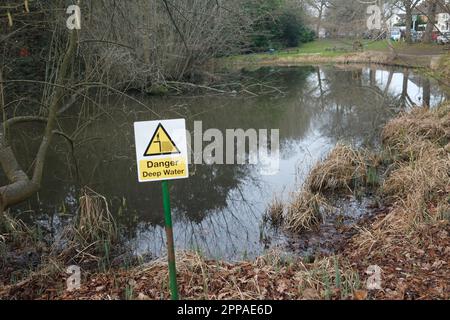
424	274
408	272
143	296
311	294
360	295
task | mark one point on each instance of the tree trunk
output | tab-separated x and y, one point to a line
431	14
20	186
319	21
408	21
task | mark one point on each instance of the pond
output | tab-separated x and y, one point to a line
219	209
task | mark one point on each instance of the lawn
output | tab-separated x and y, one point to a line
327	47
323	48
337	47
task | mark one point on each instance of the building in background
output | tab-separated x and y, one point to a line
395	20
443	22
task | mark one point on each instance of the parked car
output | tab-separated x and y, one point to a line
396	35
444	38
435	35
416	36
419	36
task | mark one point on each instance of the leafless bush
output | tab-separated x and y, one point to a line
143	43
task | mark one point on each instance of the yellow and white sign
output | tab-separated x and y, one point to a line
161	150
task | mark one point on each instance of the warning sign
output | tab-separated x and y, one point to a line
161	144
161	150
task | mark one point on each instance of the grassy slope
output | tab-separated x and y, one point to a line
331	50
319	48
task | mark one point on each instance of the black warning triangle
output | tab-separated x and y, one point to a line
161	144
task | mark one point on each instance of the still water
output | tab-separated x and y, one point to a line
219	209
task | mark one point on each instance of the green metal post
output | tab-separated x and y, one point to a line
170	242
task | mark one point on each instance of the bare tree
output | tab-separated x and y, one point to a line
153	42
45	68
20	185
319	7
408	7
346	18
432	7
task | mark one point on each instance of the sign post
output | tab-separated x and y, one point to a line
161	155
170	243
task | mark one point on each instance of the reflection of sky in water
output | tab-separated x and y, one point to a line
235	232
415	87
228	202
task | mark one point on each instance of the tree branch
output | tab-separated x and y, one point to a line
13	121
53	111
21	186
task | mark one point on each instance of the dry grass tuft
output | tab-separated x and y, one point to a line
94	221
15	231
93	233
275	212
420	180
306	211
10	225
409	135
426	177
343	169
417	181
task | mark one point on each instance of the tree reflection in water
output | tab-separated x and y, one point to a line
218	209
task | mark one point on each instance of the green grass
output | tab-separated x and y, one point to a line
379	45
319	47
335	48
322	48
